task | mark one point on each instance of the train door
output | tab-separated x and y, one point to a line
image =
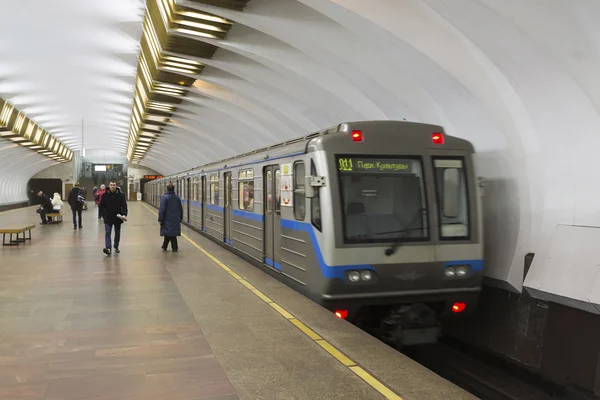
227	211
203	211
188	196
181	193
272	212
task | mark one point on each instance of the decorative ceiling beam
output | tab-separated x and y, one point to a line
166	68
18	128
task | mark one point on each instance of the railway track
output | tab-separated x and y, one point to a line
474	375
487	376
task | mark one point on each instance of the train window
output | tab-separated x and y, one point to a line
269	191
278	192
246	190
214	189
382	199
228	188
195	189
315	202
299	198
451	188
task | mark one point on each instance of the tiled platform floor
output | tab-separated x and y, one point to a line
147	324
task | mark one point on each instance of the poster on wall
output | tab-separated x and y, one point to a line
286	185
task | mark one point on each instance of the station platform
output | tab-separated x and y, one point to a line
197	324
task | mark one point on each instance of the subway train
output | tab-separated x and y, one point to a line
378	221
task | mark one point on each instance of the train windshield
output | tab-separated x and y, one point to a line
383	199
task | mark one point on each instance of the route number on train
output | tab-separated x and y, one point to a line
345	164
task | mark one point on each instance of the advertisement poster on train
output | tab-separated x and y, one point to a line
286	185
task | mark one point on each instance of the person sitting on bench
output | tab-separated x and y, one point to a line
56	202
46	206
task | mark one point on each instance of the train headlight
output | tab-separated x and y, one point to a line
366	275
354	276
462	270
450	272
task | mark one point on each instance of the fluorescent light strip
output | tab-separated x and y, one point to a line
178	70
19	124
183	60
180	65
168	89
164	10
169	86
163	89
195	33
6	112
198	25
206	17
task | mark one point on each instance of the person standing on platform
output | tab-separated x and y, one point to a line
170	215
98	198
113	207
76	200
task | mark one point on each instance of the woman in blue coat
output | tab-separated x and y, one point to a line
170	216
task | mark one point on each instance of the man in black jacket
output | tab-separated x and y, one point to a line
113	207
76	205
46	206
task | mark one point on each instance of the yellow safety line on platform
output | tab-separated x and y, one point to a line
324	344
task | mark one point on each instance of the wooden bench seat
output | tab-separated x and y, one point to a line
15	230
57	217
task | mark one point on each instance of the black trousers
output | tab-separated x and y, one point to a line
173	240
75	214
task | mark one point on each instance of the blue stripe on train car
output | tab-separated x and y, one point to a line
196	203
248	215
328	271
273	264
214	208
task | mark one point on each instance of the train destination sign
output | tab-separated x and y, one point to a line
153	176
386	165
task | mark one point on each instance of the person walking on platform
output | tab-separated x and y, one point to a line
76	199
98	198
113	207
170	215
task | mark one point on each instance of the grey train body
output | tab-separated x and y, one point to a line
303	227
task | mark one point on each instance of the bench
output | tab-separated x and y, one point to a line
15	230
57	217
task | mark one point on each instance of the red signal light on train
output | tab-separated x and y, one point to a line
437	138
357	136
343	314
459	307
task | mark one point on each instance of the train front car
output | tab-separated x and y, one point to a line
400	240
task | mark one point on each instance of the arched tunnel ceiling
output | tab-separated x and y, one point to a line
517	78
64	61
